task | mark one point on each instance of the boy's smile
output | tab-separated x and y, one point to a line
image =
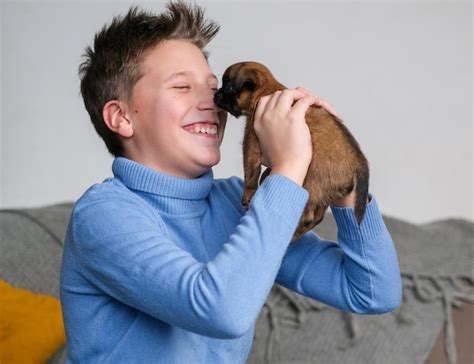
176	129
208	129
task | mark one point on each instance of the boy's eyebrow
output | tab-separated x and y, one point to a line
185	73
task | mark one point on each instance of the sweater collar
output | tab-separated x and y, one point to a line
139	177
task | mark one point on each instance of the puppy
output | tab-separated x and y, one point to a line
337	163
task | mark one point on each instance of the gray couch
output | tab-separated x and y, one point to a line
435	260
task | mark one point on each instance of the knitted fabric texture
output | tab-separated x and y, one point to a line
160	267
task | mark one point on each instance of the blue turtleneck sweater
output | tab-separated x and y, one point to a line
161	269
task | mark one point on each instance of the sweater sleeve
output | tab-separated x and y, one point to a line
360	274
123	253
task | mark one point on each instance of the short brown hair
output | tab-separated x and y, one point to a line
112	67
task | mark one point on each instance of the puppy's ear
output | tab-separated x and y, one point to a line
244	82
249	85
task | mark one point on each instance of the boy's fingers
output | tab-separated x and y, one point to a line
261	106
274	99
303	90
319	102
302	105
288	97
328	107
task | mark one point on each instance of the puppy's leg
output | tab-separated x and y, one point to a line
312	216
252	164
306	219
314	211
318	215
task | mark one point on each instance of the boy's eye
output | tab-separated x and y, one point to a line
183	87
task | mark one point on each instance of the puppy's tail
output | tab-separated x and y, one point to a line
362	191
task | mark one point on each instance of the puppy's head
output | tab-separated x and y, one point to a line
243	84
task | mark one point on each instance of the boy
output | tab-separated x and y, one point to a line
161	263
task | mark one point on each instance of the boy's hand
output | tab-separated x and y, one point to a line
320	103
283	134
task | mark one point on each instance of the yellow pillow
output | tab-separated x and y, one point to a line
31	325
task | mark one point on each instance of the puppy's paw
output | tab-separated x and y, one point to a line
245	202
247	197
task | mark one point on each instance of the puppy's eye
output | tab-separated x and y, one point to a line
249	85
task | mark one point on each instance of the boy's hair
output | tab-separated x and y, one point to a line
112	67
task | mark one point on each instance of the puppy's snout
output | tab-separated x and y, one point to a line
218	98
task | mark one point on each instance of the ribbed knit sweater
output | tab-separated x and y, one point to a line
161	269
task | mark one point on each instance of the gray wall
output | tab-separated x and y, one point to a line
399	73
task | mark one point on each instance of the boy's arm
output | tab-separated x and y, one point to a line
124	253
360	274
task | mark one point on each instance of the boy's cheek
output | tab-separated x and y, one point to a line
222	115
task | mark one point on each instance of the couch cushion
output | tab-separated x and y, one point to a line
31	328
31	243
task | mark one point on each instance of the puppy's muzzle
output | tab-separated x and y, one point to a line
218	98
224	98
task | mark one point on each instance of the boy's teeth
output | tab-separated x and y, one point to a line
211	131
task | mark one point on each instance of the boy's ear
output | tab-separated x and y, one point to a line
116	118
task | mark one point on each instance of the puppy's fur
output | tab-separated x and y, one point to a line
337	161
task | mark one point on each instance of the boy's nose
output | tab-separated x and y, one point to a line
208	102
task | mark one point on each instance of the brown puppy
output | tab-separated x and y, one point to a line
337	161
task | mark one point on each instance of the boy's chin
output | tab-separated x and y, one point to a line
211	158
213	162
206	165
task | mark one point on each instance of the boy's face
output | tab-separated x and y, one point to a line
170	104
